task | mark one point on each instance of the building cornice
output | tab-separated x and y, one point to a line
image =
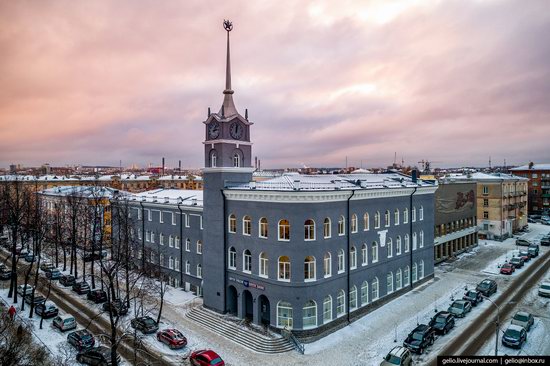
225	141
228	169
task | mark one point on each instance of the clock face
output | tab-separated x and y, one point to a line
213	130
236	130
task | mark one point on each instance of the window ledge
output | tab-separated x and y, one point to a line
339	272
247	272
263	276
284	239
262	237
282	280
327	276
308	239
310	280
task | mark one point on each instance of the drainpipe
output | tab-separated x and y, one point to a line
348	229
411	231
181	242
224	210
142	236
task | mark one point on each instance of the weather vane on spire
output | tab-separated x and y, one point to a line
228	26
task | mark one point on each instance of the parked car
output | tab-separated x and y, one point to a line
398	356
517	262
206	357
96	356
145	324
442	322
116	306
545	241
67	280
487	287
544	289
98	296
173	338
29	257
524	254
53	274
507	268
5	274
22	252
64	322
81	288
46	266
523	242
421	337
473	296
514	336
88	257
81	339
46	310
523	319
38	299
533	250
460	308
22	290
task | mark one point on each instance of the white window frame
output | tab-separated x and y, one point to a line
284	271
309	230
364	254
374	252
396	217
247	261
389	246
283	229
366	222
354	228
327	265
232	224
375	289
377	220
341	261
327	309
263	227
310	274
247	225
387	218
199	246
327	229
232	258
263	265
353	257
398	244
341	225
406	215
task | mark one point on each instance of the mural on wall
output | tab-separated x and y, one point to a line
462	202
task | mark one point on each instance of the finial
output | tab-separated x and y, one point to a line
208	111
228	26
246	114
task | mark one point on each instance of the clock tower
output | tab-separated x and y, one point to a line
227	158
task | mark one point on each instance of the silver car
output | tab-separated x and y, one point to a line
523	319
398	356
459	308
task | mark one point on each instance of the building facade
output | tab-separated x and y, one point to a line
538	184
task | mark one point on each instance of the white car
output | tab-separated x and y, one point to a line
544	289
21	290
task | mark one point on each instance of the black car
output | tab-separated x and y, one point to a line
517	262
524	253
473	296
421	337
545	241
81	288
442	322
96	356
514	336
29	257
5	274
67	280
46	310
97	296
145	324
81	339
116	306
487	287
533	250
38	299
53	274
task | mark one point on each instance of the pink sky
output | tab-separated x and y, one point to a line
449	81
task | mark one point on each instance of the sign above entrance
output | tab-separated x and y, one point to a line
247	283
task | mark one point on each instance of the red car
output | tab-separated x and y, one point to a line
507	268
206	357
172	338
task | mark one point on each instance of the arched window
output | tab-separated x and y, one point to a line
247	225
341	225
263	265
413	214
396	216
354	223
364	293
263	228
309	230
326	228
398	279
407	243
374	256
421	239
341	261
327	265
406	216
247	261
353	298
387	219
213	159
364	254
309	315
171	262
421	270
377	220
327	309
389	245
341	303
188	245
398	245
406	276
309	268
232	223
389	283
236	160
375	289
366	222
414	273
421	213
414	241
187	267
284	230
284	314
199	247
199	271
232	258
353	258
284	268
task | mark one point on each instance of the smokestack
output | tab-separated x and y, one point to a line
259	165
179	166
255	163
162	166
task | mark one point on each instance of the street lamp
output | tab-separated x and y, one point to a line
497	329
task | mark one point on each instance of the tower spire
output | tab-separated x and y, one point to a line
228	107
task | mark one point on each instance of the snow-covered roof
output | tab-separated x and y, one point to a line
83	191
479	176
534	167
185	197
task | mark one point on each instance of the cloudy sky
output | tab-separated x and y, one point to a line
450	81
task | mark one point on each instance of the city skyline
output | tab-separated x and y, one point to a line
454	83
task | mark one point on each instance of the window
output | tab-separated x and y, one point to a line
353	298
139	233
213	159
413	214
161	259
236	160
152	236
247	225
389	283
406	216
341	303
364	293
414	241
173	219
263	228
171	262
284	230
327	309
232	258
396	216
485	214
187	267
377	220
284	314
177	264
171	241
414	272
232	223
149	215
407	243
247	261
139	214
341	225
485	190
389	245
375	289
421	238
199	247
354	223
161	238
263	265
199	271
353	258
421	270
187	245
398	279
284	268
364	254
341	261
421	213
485	202
374	255
309	315
398	245
406	276
387	219
366	221
147	235
160	217
326	228
327	265
309	229
309	269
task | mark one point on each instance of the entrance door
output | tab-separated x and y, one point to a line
265	310
248	304
232	300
